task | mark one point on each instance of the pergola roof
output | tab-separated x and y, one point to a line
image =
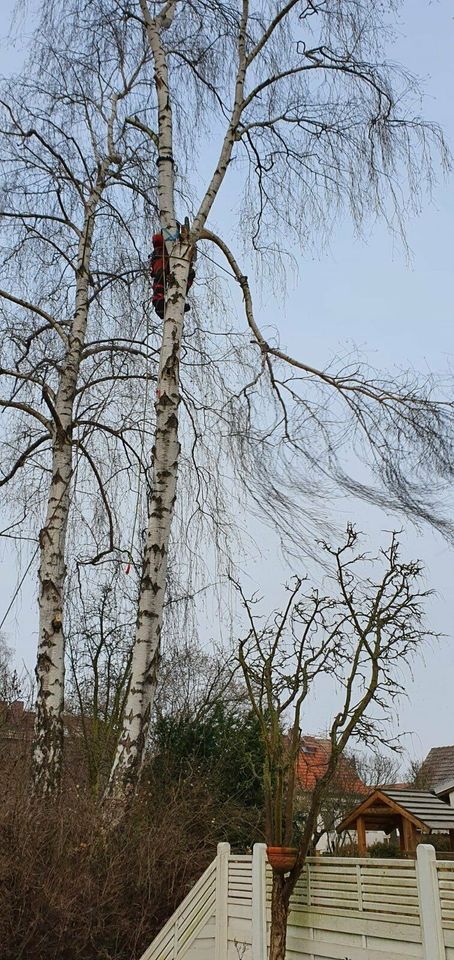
420	807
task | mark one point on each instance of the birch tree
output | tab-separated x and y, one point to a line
72	202
236	413
309	120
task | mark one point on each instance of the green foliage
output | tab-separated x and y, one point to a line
440	841
384	849
220	748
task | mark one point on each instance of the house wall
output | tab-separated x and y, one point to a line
372	836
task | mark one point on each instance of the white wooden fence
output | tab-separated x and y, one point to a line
342	909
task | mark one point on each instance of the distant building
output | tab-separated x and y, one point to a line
313	760
438	768
17	725
346	788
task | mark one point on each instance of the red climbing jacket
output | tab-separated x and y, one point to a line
159	271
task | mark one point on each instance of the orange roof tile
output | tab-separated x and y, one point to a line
313	761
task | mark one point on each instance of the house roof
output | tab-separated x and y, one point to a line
445	787
18	723
439	765
382	807
313	761
386	787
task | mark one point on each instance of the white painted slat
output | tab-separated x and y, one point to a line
390	883
326	890
157	949
384	875
349	882
305	948
363	861
202	911
318	901
360	909
370	924
235	905
201	893
393	895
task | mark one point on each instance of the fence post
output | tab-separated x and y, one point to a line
222	892
429	903
259	901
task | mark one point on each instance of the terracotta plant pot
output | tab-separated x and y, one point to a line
282	859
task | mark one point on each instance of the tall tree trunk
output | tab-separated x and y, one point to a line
130	751
47	750
280	900
136	720
50	666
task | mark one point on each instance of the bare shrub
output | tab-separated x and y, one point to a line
72	890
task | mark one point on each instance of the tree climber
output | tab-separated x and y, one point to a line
159	266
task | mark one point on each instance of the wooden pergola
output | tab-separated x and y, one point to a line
413	813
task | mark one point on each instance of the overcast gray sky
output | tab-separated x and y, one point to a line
397	312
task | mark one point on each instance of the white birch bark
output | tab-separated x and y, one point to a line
129	756
130	751
47	749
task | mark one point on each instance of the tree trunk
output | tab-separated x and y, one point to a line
280	900
50	665
47	750
130	751
136	721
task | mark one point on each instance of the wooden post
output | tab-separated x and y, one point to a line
429	903
401	835
222	893
259	901
409	836
361	833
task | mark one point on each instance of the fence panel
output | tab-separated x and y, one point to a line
240	907
342	909
188	920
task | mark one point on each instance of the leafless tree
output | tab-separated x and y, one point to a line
100	620
235	413
361	634
193	680
75	193
100	617
330	126
11	684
